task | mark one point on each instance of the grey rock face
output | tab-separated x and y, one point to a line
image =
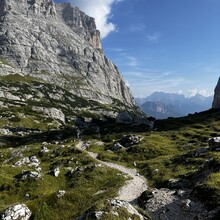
16	212
216	100
59	45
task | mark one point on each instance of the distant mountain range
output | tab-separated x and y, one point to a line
162	105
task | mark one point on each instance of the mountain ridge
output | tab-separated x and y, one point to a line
162	105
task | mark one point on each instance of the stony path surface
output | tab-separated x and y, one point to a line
133	187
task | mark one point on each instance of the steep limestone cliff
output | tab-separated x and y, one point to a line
216	100
52	54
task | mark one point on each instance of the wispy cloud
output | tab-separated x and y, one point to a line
101	11
115	49
143	83
154	38
137	27
132	61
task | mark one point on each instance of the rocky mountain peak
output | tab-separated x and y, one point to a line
72	16
216	100
51	59
80	22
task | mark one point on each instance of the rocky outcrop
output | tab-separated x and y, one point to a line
56	47
214	144
164	204
115	206
16	212
216	101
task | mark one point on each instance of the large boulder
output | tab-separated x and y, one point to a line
16	212
26	174
214	144
124	118
129	140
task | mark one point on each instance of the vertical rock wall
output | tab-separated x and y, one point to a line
216	101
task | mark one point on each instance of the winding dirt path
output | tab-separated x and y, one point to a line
133	187
164	205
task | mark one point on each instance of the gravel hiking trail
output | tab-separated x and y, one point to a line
164	205
133	187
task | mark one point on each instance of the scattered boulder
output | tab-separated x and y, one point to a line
16	212
129	140
214	144
95	215
34	160
22	161
113	207
38	169
56	171
117	146
29	161
5	131
74	171
85	146
126	205
60	193
201	151
26	174
186	203
44	150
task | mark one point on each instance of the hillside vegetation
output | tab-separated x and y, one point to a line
175	156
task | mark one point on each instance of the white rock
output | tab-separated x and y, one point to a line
56	172
16	212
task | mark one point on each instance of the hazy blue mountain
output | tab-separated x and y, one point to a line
163	105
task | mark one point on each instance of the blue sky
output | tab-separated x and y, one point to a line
161	45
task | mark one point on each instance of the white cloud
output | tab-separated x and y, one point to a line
154	38
193	92
101	11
